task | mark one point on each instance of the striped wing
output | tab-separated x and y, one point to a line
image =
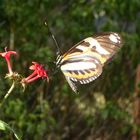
83	63
82	70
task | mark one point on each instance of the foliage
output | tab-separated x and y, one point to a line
4	126
52	111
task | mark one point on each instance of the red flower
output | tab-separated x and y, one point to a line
6	55
39	71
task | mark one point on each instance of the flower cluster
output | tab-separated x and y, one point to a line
38	70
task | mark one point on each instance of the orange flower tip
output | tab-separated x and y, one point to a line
32	67
34	62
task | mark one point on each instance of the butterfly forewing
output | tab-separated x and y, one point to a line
83	62
111	42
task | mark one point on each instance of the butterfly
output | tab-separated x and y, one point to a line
84	62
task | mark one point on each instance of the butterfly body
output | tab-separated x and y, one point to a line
84	62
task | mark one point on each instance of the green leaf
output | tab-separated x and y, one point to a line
4	126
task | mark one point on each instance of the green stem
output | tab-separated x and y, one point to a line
9	91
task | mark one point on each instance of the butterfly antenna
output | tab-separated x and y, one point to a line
53	37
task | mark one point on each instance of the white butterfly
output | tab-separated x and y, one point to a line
84	62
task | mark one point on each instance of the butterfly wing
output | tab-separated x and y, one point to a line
81	71
110	42
83	62
72	84
101	46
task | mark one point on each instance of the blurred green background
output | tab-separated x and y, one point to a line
104	109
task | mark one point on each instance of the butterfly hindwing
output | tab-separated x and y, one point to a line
83	70
72	84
